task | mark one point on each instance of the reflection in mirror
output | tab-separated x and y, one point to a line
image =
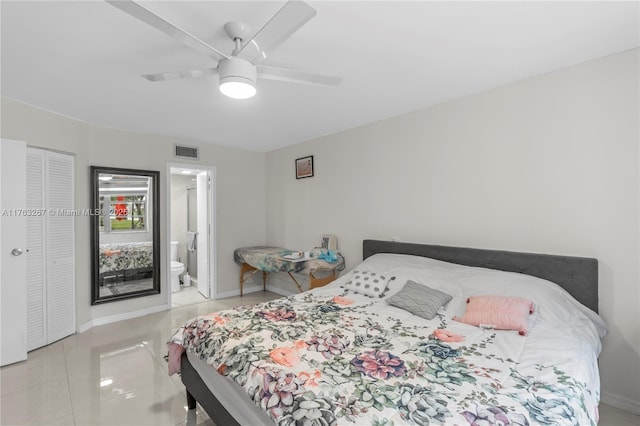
125	234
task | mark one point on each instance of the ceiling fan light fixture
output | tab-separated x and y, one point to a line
237	78
237	88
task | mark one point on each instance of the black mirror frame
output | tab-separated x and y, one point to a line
95	171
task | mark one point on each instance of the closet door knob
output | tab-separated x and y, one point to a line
16	252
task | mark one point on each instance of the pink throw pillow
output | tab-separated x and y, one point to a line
499	312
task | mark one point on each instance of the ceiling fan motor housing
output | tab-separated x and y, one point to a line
236	70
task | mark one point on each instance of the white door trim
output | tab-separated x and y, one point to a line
213	270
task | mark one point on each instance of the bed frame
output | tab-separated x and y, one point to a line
577	275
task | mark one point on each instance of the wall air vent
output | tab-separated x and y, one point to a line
182	151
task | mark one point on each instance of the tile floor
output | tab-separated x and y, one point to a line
187	296
115	374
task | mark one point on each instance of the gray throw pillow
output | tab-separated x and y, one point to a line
419	299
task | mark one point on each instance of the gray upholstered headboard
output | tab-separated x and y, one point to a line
577	275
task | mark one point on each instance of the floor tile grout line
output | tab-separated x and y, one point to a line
66	370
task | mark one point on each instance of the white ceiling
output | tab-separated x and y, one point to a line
84	60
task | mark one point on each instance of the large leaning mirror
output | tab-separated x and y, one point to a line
125	233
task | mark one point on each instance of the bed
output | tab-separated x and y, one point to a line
343	354
125	261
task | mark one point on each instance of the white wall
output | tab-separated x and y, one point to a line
549	164
240	203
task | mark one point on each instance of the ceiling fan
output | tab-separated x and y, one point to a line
239	70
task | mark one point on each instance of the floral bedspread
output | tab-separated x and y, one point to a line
319	359
120	257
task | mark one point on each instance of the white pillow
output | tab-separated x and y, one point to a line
369	283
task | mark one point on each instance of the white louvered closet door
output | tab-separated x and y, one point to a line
50	260
61	313
36	291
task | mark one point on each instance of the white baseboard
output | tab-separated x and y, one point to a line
142	312
119	317
253	289
621	402
278	283
232	293
281	291
226	294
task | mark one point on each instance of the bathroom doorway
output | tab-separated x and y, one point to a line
191	257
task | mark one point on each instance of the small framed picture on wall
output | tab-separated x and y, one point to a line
304	167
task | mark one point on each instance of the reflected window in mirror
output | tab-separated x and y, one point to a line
123	199
125	233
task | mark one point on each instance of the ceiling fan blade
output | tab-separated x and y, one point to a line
294	76
173	75
134	9
293	15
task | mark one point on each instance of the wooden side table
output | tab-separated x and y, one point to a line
246	268
276	259
315	282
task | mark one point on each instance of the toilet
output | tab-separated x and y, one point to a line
176	267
